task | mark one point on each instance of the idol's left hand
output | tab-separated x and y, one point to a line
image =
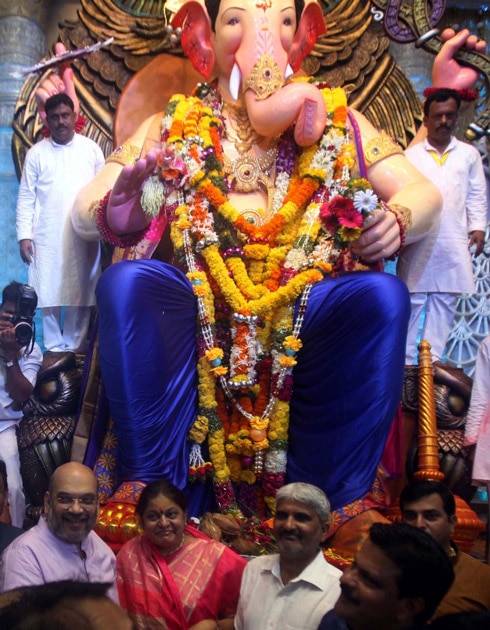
380	237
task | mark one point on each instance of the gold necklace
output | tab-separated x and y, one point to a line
244	136
171	551
247	172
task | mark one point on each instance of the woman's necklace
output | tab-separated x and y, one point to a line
171	551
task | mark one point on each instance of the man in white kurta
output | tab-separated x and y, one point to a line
63	268
437	269
477	429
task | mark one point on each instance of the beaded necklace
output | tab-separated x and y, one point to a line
247	278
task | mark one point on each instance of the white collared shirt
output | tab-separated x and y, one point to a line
266	604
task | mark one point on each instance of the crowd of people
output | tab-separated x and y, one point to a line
172	576
263	250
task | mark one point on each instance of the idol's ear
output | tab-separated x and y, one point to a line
310	27
196	36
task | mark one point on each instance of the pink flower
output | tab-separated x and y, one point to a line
340	205
351	219
332	212
173	167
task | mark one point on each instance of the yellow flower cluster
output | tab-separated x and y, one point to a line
199	429
239	443
291	343
216	441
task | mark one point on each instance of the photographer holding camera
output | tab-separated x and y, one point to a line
20	361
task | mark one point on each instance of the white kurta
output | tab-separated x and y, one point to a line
65	267
477	429
440	262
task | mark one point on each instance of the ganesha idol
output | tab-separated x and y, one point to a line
252	340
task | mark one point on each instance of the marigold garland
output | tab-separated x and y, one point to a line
247	277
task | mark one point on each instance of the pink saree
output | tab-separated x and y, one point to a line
200	581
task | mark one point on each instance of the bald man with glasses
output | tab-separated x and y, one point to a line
62	546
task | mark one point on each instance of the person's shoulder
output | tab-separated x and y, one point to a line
101	546
331	569
485	347
414	149
37	149
131	547
468	148
231	555
479	569
8	533
331	621
259	563
26	539
80	138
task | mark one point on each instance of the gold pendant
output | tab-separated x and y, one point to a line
246	174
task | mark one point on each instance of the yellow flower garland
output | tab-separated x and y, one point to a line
249	281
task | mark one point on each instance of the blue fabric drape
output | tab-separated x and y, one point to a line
147	329
347	383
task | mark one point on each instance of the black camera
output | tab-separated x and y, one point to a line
23	321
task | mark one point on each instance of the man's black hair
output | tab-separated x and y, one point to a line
425	568
441	95
35	607
419	489
58	99
12	293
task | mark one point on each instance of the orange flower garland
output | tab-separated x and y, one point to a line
244	408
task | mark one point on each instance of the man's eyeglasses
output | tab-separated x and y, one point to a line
67	501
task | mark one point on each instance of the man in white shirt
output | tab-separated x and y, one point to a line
63	268
295	588
437	268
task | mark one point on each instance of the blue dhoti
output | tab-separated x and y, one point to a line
346	386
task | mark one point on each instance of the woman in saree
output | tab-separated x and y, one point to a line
172	576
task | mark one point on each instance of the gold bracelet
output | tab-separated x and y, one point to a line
124	154
379	148
404	214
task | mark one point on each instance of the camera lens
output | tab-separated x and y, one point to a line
23	333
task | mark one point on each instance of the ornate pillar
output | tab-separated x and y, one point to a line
22	43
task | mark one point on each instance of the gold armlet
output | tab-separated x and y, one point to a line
92	209
379	148
124	154
404	216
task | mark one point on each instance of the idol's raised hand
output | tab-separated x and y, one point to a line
56	82
447	71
